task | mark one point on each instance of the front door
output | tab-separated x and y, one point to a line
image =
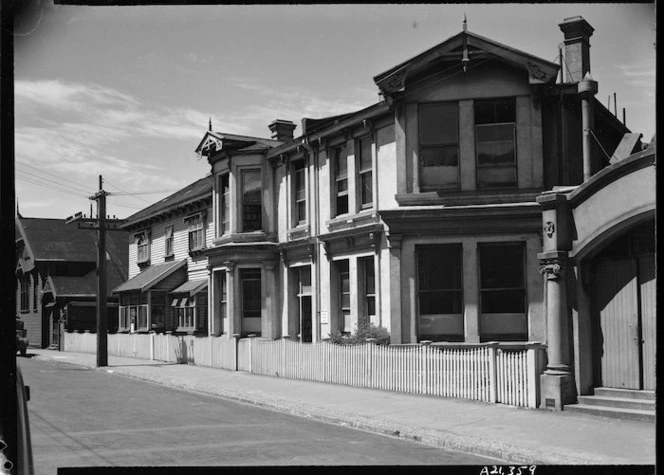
624	303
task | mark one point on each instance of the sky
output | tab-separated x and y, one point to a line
127	92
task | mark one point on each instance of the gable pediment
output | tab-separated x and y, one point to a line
214	142
466	50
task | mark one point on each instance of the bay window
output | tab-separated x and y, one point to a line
438	128
495	142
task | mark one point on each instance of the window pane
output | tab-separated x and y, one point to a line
503	301
438	123
369	275
501	266
495	111
365	153
440	267
251	201
341	162
305	280
367	188
251	292
495	144
432	303
439	156
342	204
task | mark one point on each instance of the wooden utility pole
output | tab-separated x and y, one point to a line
101	224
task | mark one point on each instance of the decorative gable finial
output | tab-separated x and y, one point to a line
210	125
465	60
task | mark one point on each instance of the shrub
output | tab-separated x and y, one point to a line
364	332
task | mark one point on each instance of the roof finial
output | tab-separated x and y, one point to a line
465	22
210	125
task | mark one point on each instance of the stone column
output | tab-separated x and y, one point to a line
557	382
394	244
269	319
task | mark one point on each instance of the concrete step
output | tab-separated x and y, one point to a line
612	412
625	393
618	403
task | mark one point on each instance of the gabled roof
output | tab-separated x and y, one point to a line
200	189
539	70
150	276
217	141
84	286
48	240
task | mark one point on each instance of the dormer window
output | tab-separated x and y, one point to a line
252	202
438	125
196	230
495	143
142	247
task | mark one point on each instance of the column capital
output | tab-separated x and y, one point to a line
230	266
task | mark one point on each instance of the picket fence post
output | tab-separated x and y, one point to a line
251	352
236	337
532	359
283	356
493	377
425	366
152	345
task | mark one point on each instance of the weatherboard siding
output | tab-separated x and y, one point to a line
197	266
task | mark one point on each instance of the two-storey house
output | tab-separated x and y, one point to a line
168	274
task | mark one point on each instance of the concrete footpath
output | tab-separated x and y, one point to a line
515	435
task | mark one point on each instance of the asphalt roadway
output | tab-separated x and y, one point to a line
81	417
517	435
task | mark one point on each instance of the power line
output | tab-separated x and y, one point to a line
53	175
124	191
51	187
82	190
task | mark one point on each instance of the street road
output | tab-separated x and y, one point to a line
81	417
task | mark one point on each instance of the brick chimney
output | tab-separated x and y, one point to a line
282	130
577	33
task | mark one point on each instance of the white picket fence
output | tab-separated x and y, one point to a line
483	372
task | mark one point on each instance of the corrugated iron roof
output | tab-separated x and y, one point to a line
199	189
191	286
53	240
150	276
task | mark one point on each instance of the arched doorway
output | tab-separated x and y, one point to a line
623	288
